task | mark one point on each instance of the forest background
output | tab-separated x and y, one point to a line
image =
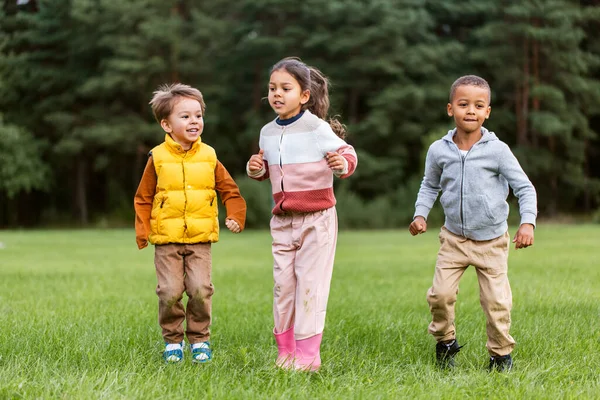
76	77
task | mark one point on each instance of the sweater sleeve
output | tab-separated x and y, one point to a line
142	204
329	141
230	195
521	186
260	175
430	186
264	172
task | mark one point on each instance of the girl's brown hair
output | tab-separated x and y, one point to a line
317	84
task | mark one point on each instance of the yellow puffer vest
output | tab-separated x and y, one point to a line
185	205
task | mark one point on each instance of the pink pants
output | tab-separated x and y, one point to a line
303	254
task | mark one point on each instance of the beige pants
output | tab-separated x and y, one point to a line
303	254
490	259
184	268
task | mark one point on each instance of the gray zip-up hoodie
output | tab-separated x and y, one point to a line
475	188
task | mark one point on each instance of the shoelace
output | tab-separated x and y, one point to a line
449	350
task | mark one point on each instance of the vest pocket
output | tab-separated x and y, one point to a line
207	209
157	211
159	215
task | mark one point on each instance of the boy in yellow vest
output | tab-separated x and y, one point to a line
176	210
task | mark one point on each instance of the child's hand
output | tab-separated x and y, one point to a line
256	162
524	236
419	225
232	225
335	161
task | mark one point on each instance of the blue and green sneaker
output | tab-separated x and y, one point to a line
173	352
201	352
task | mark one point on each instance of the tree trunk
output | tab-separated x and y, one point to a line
553	177
536	81
80	191
587	196
257	90
522	98
174	53
8	211
353	106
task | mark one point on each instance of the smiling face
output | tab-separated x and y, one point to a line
286	97
470	107
185	123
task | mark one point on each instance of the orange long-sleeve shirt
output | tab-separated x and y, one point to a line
224	185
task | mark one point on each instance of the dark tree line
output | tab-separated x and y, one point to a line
76	77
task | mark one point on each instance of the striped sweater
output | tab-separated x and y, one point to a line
294	160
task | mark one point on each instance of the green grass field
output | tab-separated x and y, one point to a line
78	320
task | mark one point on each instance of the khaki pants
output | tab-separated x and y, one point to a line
184	268
490	259
303	254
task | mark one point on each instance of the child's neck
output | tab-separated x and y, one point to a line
184	146
464	140
289	120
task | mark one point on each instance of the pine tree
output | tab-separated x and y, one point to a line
542	73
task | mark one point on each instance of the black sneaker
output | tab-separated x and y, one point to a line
445	352
501	363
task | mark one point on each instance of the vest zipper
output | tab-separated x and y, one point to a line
184	194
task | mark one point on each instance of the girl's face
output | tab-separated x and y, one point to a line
286	97
185	123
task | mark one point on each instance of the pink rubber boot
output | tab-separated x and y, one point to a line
286	346
308	356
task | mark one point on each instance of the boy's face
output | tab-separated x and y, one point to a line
185	123
470	108
285	94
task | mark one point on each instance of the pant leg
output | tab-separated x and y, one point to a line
314	268
452	261
495	294
199	288
168	261
284	254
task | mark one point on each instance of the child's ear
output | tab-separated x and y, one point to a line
489	110
449	110
305	97
165	125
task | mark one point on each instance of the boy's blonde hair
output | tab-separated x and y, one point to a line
470	80
166	96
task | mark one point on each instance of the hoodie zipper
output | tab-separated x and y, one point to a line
462	181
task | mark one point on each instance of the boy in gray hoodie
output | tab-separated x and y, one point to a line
473	169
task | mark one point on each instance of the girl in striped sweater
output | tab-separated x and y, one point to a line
301	152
